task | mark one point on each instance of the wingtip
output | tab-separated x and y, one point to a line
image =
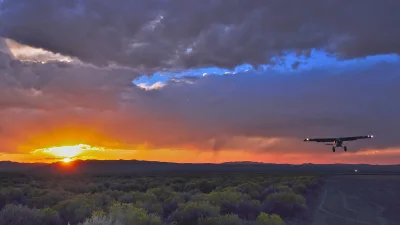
371	136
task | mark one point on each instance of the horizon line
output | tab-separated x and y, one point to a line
205	163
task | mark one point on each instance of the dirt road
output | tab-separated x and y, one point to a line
359	199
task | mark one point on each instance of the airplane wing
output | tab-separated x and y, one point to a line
354	138
321	139
335	139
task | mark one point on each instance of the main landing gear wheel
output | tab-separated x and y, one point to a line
345	148
333	149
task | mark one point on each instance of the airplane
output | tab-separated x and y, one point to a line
337	142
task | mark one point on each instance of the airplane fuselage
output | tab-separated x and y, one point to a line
338	143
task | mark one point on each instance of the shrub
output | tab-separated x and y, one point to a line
269	190
285	204
150	207
248	210
113	193
162	193
267	219
50	216
198	197
171	204
130	214
12	195
226	200
228	219
177	186
284	188
3	201
203	185
82	206
299	188
100	218
251	188
136	196
189	213
226	197
312	182
21	215
48	199
235	189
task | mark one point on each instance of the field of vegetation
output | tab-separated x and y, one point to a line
174	199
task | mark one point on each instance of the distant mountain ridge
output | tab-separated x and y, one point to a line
244	162
136	166
9	165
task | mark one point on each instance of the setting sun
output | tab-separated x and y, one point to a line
67	160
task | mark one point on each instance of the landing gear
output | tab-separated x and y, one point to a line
345	148
333	149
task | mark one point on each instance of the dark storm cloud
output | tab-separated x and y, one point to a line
58	85
160	34
4	47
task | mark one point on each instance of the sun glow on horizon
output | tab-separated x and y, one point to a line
67	153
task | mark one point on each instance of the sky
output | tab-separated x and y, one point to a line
199	80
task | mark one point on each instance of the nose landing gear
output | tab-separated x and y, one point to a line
344	148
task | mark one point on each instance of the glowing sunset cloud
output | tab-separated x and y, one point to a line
27	53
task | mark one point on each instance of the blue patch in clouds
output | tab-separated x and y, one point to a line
317	59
